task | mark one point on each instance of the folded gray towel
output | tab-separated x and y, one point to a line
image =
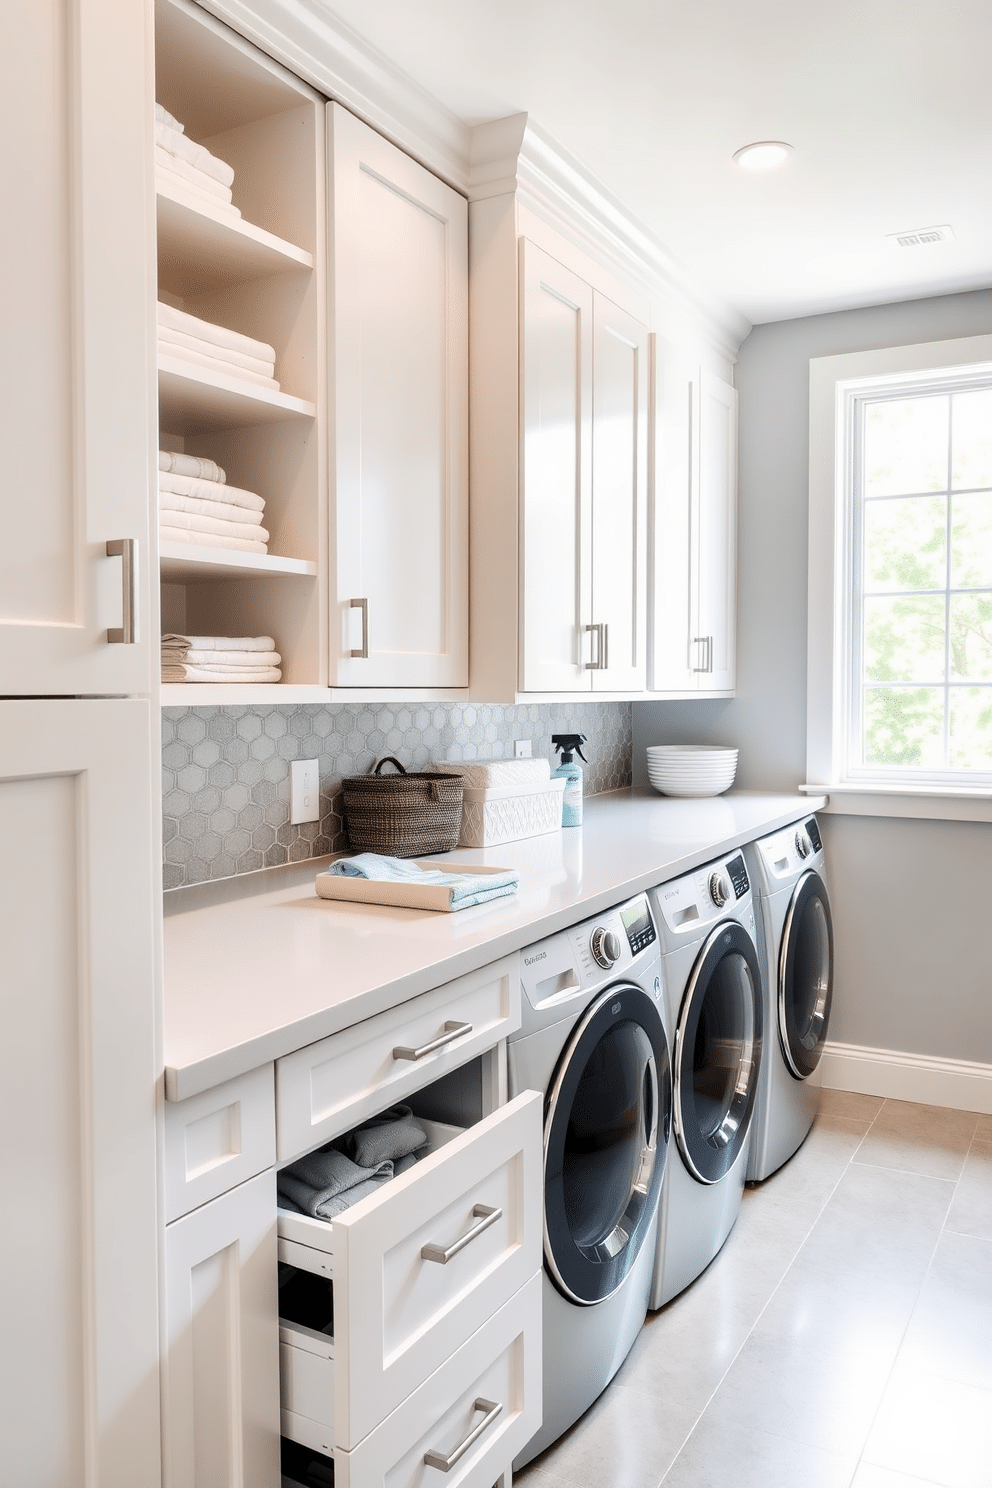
327	1182
389	1136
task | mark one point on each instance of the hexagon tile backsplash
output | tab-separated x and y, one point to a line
225	771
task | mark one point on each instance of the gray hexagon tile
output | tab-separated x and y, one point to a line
226	770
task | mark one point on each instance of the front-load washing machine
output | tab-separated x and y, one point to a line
787	870
593	1041
713	989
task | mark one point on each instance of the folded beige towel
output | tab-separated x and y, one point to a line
193	174
208	348
168	501
220	643
170	462
191	522
216	363
176	185
180	320
208	490
208	539
209	674
179	144
225	660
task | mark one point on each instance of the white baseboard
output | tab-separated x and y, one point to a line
911	1077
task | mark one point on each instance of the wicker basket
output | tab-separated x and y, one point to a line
404	815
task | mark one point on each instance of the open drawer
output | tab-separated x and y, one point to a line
401	1280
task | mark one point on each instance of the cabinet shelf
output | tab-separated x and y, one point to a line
239	694
195	401
198	251
183	563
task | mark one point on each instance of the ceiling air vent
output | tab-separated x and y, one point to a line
920	236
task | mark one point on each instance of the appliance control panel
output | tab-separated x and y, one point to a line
637	921
737	873
566	965
813	833
789	852
691	903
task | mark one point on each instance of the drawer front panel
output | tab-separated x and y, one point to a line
218	1139
398	1314
329	1086
499	1365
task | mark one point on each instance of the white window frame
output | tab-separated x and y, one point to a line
834	385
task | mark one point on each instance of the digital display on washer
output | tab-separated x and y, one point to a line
738	876
813	833
638	924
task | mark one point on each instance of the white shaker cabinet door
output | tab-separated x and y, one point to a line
79	1291
619	498
77	411
717	563
676	648
399	333
556	547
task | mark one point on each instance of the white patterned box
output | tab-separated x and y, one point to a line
520	774
507	813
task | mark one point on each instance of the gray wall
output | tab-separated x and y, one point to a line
910	897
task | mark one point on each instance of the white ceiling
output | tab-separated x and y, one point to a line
888	104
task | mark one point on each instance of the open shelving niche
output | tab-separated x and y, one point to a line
262	275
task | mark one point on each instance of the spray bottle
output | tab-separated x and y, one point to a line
567	744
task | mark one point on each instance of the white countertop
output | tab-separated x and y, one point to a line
258	966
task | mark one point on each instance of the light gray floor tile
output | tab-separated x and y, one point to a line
919	1139
716	1456
870	1476
848	1103
879	1222
935	1429
850	1313
950	1332
971	1207
810	1176
686	1348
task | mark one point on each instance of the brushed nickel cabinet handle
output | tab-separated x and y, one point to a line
452	1031
126	634
363	605
600	661
437	1459
485	1214
707	644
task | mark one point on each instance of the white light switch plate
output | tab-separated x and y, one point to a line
304	791
521	749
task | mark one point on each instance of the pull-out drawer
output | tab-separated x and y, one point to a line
218	1139
414	1271
327	1087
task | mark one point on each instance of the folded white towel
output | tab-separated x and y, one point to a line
192	173
170	461
193	522
209	348
215	364
220	643
209	674
162	116
178	144
208	539
181	320
173	184
168	501
208	490
233	659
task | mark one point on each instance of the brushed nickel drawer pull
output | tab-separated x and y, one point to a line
492	1409
452	1031
600	663
363	649
127	633
485	1214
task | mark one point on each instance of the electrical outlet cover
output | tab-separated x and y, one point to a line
304	791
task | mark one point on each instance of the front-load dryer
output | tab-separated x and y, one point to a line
593	1040
787	870
713	988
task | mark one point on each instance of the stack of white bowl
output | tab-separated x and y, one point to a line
691	769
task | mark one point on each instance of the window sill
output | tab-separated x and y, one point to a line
928	802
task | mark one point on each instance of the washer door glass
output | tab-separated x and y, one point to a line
717	1052
805	982
606	1134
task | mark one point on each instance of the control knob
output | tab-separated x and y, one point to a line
605	947
719	889
803	845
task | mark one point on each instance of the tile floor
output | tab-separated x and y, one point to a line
841	1339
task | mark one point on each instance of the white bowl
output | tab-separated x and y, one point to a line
691	769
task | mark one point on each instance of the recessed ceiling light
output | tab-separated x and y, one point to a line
763	155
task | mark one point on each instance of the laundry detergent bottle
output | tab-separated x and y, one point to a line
568	746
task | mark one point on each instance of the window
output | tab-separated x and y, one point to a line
900	621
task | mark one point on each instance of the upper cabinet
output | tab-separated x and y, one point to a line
694	529
77	411
399	353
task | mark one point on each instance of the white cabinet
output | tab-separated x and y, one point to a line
399	351
77	405
584	485
79	1237
694	529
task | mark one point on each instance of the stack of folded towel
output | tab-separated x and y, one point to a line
196	505
326	1182
215	347
220	659
190	170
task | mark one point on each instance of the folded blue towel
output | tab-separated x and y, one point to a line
466	888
